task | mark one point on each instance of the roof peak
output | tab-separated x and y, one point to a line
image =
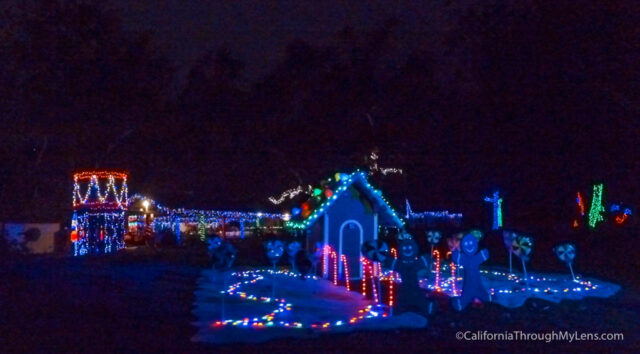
345	183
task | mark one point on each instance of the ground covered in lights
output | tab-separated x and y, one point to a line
280	304
143	301
513	289
283	305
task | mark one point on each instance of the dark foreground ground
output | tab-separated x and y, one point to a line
140	301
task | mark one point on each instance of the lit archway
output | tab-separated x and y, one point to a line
340	247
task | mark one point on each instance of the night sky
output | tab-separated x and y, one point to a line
222	104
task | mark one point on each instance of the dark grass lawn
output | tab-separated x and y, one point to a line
141	301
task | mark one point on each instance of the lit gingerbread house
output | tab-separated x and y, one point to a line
346	213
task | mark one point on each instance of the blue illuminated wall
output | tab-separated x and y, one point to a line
352	219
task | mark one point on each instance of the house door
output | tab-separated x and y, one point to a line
351	236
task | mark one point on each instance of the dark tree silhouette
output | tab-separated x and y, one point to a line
78	90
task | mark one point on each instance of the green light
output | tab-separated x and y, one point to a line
346	181
202	228
595	213
497	209
499	213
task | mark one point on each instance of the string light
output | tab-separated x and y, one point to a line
444	214
437	255
369	267
373	167
325	264
269	319
391	281
582	284
170	218
120	199
345	182
98	221
346	271
289	194
335	267
514	283
372	272
453	276
364	276
373	285
595	213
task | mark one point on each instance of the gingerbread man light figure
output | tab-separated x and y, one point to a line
410	296
467	257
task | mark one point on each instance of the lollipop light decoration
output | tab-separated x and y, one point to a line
521	247
317	256
275	249
453	242
292	249
508	237
223	255
433	237
376	252
566	252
